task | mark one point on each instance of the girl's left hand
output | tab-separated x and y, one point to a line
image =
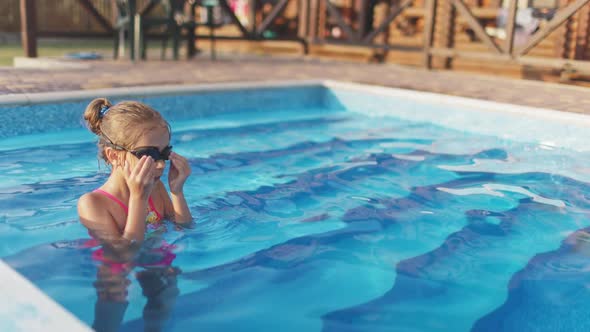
179	172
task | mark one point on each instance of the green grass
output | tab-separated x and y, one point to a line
60	47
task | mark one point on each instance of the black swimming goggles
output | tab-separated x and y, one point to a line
153	152
150	151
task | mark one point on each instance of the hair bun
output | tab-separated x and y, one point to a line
92	114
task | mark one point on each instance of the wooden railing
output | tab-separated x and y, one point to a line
438	28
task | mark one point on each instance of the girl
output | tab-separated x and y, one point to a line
134	140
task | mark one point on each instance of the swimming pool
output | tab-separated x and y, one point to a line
324	206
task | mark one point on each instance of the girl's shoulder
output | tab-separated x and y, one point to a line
91	200
97	203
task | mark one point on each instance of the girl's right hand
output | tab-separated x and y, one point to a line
140	179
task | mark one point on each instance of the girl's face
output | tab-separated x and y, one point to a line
158	138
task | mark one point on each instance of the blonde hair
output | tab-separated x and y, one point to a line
121	124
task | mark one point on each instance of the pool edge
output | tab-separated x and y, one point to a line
479	104
47	315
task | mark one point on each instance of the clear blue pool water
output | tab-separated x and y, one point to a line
313	216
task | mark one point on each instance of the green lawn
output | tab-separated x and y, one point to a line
55	48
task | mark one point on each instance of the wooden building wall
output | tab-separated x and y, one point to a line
57	15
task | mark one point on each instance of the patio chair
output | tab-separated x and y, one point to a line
124	27
173	23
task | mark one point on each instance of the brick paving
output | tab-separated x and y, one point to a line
109	73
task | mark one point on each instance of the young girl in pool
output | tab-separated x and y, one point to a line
134	140
129	209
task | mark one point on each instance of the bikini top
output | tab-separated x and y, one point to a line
153	219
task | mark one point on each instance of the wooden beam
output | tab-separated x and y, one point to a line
429	32
474	24
394	12
340	21
453	53
28	23
148	7
578	66
74	34
398	47
561	16
510	26
89	7
276	11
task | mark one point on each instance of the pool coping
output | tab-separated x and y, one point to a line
49	307
476	104
40	314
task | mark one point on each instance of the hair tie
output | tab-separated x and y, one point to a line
103	111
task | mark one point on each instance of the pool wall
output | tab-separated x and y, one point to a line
21	114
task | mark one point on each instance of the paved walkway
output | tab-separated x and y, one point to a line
107	73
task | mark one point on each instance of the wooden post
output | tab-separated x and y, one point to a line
252	17
303	19
28	23
582	34
314	12
322	19
445	23
429	31
362	19
510	26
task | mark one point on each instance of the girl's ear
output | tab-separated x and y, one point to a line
112	156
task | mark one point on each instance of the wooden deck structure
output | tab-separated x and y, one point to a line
438	33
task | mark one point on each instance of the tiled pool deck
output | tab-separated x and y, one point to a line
109	74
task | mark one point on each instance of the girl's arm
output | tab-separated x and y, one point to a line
94	214
182	214
176	206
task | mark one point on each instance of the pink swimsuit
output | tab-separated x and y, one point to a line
153	221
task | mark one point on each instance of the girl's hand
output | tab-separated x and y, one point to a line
179	172
141	178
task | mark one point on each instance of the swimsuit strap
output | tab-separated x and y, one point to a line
113	198
124	206
153	208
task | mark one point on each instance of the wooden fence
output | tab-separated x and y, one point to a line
441	30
